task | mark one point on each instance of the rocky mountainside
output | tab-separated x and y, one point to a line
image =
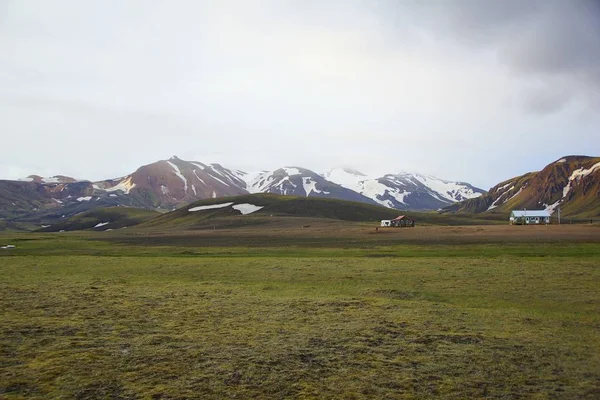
572	182
169	183
405	190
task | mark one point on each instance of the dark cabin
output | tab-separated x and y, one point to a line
402	221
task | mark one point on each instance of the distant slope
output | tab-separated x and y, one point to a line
224	213
405	190
572	182
102	219
296	181
271	205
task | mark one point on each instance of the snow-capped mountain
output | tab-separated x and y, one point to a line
295	181
405	190
171	183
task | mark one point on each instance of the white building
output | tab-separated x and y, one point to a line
530	217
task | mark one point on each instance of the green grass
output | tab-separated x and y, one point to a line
112	217
85	316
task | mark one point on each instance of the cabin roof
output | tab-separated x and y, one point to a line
531	213
398	218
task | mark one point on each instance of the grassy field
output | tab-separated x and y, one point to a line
329	311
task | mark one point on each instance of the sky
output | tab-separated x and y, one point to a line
467	90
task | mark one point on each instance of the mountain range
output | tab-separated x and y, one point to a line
167	184
572	182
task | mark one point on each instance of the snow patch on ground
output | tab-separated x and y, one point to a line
180	175
8	246
194	190
562	160
86	198
101	224
246	208
210	207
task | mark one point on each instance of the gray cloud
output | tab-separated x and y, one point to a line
110	85
550	42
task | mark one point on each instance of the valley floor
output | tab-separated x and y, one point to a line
326	311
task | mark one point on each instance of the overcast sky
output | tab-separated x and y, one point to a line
469	90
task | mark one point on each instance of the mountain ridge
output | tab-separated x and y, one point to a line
571	183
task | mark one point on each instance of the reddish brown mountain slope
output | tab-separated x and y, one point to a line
169	183
572	182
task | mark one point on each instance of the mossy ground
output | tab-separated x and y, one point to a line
86	318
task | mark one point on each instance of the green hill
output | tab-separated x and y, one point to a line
277	208
103	218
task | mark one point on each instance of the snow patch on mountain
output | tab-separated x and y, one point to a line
125	185
452	191
201	166
405	189
292	171
348	178
577	175
180	175
310	186
200	179
550	208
